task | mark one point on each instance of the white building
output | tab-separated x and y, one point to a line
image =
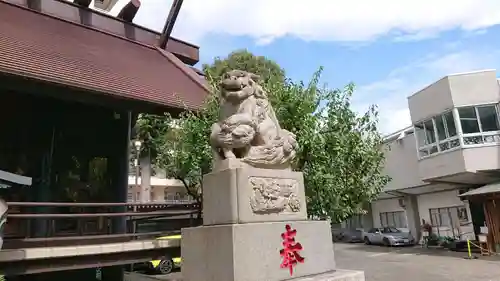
452	147
159	190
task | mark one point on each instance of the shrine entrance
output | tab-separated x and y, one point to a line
74	152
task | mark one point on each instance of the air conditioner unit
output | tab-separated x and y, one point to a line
104	5
402	202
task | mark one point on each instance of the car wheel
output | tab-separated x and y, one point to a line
166	266
367	241
387	243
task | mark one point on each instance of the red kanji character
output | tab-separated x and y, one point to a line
290	251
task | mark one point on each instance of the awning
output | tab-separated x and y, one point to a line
51	49
487	189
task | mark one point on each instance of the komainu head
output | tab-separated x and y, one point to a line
237	85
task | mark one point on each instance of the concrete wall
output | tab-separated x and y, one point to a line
413	216
384	206
468	159
430	101
401	164
456	90
474	88
486	157
440	165
417	208
409	173
443	200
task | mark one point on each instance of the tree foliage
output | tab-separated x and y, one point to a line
340	151
185	153
343	165
244	60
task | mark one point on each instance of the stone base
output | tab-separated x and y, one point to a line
230	193
337	275
250	252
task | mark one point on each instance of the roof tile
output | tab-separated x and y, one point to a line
46	48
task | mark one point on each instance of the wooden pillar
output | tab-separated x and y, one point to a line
119	165
42	184
119	168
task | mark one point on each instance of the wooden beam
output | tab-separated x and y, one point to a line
170	22
83	3
84	261
129	11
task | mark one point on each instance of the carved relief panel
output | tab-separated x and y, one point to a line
274	195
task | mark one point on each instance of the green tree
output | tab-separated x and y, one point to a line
244	60
184	151
340	150
343	164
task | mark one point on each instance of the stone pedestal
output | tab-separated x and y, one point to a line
245	211
237	193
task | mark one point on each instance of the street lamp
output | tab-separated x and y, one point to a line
137	145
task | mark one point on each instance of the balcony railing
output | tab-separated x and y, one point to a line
47	224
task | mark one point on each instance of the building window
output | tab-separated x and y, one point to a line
426	138
480	124
177	196
168	196
354	222
393	219
449	216
443	127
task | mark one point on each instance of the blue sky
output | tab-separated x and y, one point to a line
388	48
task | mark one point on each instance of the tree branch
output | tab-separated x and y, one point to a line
189	191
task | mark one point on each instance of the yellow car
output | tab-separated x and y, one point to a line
169	261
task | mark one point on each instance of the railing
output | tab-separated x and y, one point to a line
44	224
492	137
165	201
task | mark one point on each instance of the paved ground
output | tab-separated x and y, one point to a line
408	264
415	264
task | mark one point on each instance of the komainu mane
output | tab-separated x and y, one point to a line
248	128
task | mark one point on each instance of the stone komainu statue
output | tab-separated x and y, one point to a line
247	127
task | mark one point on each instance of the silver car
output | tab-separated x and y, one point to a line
388	236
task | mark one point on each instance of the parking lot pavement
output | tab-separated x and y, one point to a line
405	263
414	264
174	276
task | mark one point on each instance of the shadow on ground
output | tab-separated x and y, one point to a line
414	250
142	275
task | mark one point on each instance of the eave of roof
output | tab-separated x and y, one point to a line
483	190
58	51
68	11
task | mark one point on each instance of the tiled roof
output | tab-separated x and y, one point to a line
51	49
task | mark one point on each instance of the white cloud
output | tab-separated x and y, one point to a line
323	20
391	93
348	21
